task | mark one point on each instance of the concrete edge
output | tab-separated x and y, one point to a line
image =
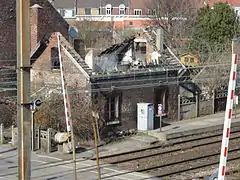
126	173
7	149
196	131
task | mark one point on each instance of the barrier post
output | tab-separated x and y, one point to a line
228	118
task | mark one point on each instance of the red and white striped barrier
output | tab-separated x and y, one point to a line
64	88
228	118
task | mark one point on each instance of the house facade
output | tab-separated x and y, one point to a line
124	14
48	21
188	59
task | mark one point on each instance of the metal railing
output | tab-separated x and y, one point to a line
121	17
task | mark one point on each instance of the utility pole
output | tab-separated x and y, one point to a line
23	85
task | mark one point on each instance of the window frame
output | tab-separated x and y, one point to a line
191	60
73	13
186	59
122	10
152	12
139	12
54	57
108	11
89	9
113	108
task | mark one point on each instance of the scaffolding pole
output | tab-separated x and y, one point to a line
23	92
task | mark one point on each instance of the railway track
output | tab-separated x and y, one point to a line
173	146
173	142
182	155
174	149
190	164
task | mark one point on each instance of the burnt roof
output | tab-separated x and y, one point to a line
120	48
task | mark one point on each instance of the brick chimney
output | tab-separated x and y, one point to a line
159	39
35	16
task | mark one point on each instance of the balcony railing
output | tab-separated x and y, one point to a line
111	17
120	17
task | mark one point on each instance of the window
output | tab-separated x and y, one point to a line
113	108
237	12
186	59
55	58
122	9
108	11
137	12
151	12
130	23
141	46
62	12
191	60
73	13
88	11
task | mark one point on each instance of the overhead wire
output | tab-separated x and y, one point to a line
148	70
162	79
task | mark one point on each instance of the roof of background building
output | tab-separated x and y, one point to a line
232	2
87	3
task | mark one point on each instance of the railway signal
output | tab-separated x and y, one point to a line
36	104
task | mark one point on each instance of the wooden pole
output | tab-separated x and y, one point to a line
23	94
94	120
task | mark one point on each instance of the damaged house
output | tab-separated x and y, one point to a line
138	70
141	69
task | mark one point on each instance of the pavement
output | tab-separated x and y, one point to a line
174	130
194	126
46	167
59	166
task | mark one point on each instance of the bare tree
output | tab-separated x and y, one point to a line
51	113
215	68
98	35
122	34
175	17
8	111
